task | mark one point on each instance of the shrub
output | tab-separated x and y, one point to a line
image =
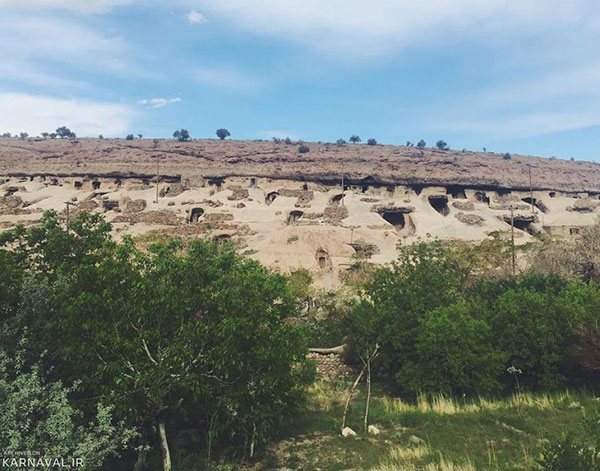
100	136
6	134
303	149
287	141
23	136
222	133
65	133
53	135
354	139
140	136
182	135
506	156
341	142
45	135
372	142
568	454
129	137
442	145
454	355
421	144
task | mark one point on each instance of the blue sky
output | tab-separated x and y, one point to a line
520	77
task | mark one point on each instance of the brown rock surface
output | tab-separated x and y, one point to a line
325	162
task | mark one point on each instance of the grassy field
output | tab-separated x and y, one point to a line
431	434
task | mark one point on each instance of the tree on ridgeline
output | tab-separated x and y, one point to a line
223	133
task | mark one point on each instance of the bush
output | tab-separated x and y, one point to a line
421	144
182	135
65	133
303	149
506	156
568	454
354	139
222	133
442	145
372	142
23	136
341	142
454	354
129	137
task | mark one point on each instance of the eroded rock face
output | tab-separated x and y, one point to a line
287	224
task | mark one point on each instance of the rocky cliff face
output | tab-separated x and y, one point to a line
290	210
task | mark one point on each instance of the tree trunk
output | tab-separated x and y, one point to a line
140	464
350	393
368	395
252	440
164	446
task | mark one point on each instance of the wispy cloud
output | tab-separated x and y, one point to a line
80	6
380	26
195	17
157	102
226	77
36	114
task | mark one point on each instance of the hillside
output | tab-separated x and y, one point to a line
324	163
287	209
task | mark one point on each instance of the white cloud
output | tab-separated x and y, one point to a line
195	17
225	77
36	114
380	26
80	6
157	102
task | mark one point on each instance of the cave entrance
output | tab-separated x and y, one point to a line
440	204
195	214
552	194
336	199
537	203
252	182
305	187
217	182
294	216
482	197
523	225
271	197
77	185
322	259
457	192
96	185
401	221
396	219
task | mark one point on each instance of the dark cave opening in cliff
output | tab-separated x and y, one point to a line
396	219
195	214
440	204
457	192
294	216
537	203
271	197
336	199
482	197
96	185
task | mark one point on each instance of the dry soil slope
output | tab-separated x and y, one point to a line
324	162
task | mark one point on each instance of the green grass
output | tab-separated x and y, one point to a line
431	434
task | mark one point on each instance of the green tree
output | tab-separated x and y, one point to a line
372	142
354	139
129	137
442	145
222	133
182	135
454	354
421	144
37	414
65	133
